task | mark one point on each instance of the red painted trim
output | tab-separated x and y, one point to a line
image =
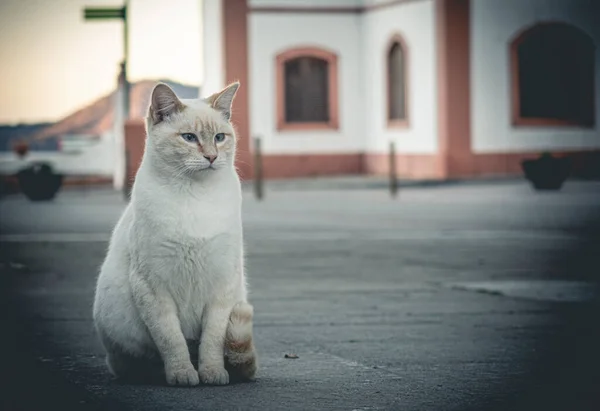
509	164
235	52
397	38
329	10
135	142
517	120
379	6
408	166
311	165
454	87
307	9
331	59
425	166
79	181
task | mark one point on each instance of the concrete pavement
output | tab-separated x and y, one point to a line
448	298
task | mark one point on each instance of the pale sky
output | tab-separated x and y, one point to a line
52	62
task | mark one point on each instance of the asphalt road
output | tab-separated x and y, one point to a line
465	297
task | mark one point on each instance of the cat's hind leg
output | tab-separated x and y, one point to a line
240	354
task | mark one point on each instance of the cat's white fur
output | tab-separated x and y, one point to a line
174	270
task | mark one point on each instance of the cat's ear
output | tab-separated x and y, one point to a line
223	100
163	103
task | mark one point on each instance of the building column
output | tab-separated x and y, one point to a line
454	88
235	51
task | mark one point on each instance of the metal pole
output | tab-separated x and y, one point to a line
126	59
258	177
112	13
126	101
127	183
393	176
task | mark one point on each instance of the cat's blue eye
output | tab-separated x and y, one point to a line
189	137
219	137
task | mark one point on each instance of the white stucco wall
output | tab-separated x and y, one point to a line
213	59
415	22
272	33
371	3
305	3
493	25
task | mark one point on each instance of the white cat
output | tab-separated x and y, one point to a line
174	271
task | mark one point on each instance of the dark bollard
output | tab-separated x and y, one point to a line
127	183
393	176
258	177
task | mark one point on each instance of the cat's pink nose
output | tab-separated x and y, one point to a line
210	159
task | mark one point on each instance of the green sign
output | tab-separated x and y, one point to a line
100	13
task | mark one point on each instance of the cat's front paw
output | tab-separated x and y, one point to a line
185	375
212	375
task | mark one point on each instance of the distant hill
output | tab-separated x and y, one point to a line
93	119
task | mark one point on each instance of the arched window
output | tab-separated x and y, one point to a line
307	89
397	82
553	76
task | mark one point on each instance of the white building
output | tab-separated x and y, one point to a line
462	87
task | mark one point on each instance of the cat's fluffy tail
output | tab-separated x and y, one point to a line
239	346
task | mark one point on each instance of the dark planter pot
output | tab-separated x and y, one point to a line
39	183
547	172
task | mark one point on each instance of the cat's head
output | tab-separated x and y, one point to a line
191	137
